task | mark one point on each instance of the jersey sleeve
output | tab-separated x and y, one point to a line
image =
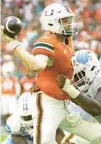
13	125
45	48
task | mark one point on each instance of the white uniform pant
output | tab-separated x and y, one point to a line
52	113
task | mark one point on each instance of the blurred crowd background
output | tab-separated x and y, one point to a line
88	15
15	77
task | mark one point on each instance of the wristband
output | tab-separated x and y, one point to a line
14	44
70	89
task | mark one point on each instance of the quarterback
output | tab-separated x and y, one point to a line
52	56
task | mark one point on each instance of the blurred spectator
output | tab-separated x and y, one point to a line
28	81
83	41
28	12
10	87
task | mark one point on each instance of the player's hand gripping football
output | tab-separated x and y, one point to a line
10	28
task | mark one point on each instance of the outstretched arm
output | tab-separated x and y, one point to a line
36	63
10	29
89	104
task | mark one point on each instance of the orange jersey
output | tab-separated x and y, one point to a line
49	45
27	83
8	85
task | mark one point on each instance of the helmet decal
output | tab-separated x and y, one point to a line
86	67
83	58
52	19
49	14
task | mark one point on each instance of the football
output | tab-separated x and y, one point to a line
12	26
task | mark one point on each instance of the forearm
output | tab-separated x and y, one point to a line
88	104
36	63
27	58
19	139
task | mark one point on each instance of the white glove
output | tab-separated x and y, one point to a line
70	89
13	43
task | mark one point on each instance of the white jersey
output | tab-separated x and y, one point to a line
84	114
91	92
15	126
95	85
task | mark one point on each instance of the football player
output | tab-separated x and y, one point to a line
20	124
89	83
87	79
10	87
52	56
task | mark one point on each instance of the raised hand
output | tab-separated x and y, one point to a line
12	26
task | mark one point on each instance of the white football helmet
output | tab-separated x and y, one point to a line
86	67
25	105
57	19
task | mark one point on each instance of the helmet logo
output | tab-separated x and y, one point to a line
49	14
83	58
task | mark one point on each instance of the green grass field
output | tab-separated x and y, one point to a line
3	137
